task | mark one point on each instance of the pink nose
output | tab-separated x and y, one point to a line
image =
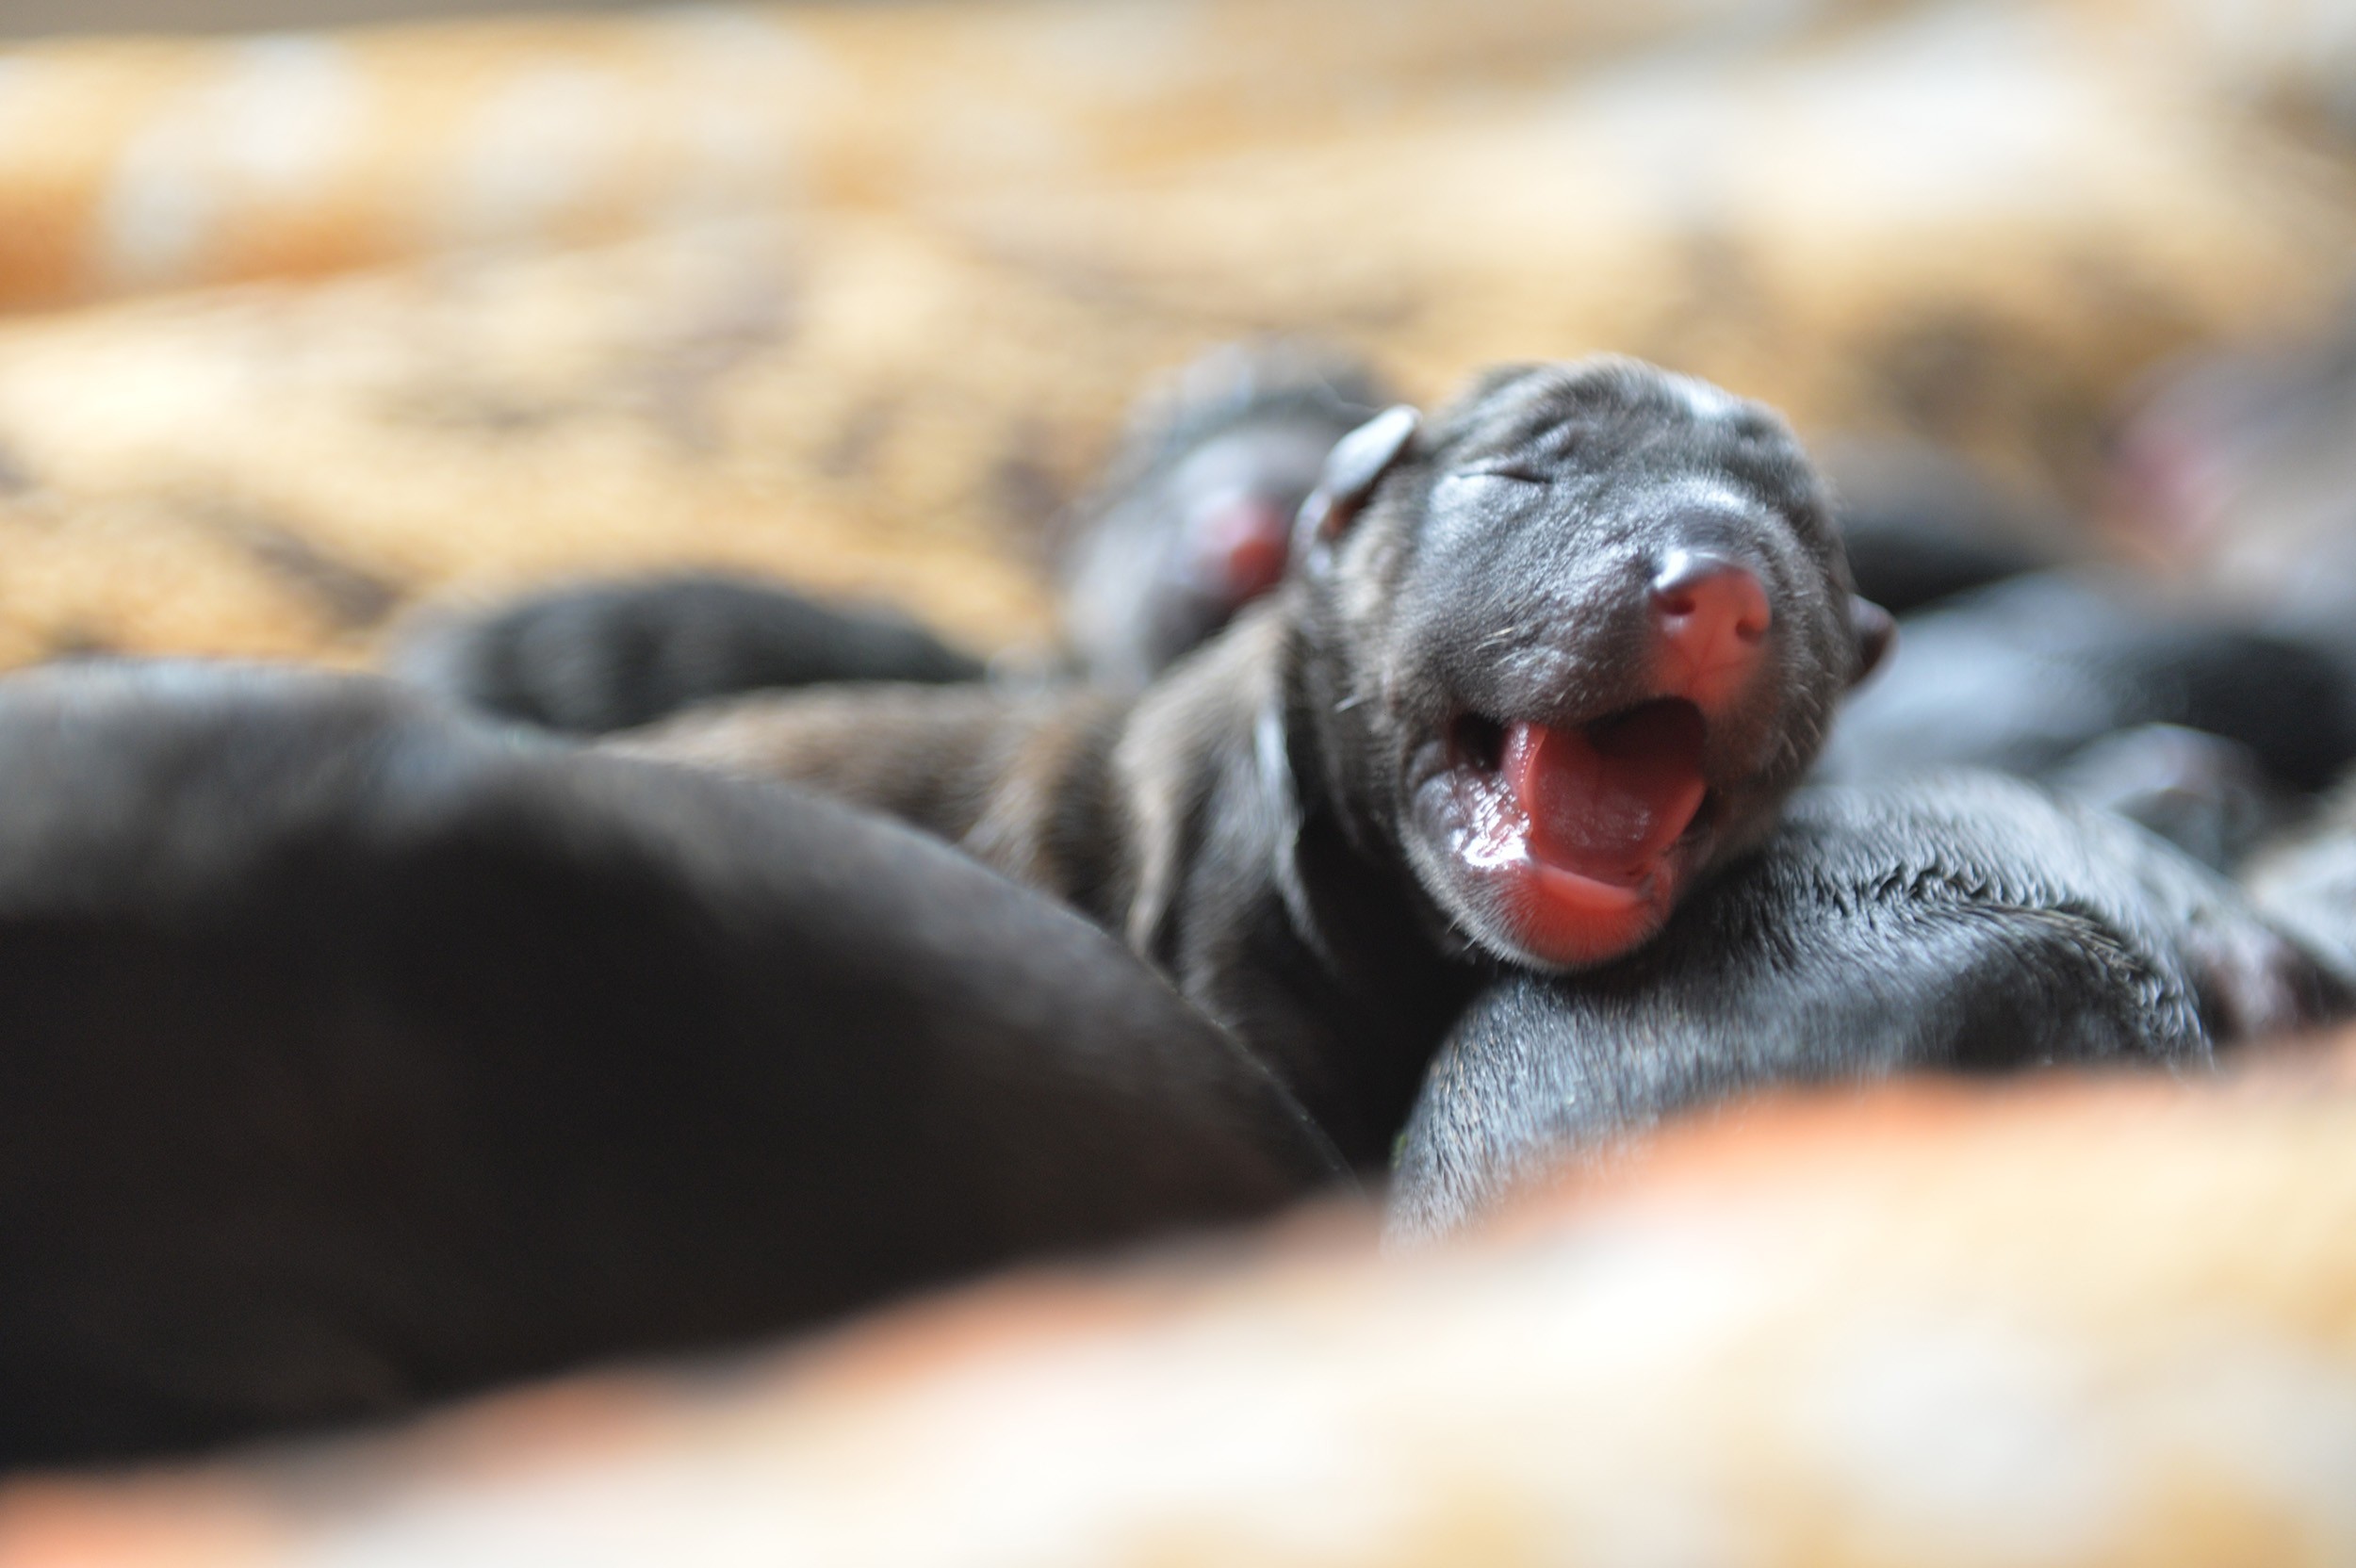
1711	616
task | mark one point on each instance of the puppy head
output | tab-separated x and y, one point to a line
1194	519
1570	642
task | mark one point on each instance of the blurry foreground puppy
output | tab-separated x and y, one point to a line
1537	667
2080	1326
1964	922
358	1053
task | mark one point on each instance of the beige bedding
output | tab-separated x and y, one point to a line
857	295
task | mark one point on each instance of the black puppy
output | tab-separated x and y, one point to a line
1963	923
1536	668
596	657
2023	675
358	1054
1194	519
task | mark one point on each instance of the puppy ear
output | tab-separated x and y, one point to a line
1875	630
1357	460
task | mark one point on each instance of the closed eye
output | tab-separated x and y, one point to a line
1517	474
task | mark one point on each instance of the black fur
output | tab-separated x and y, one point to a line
2018	677
1962	923
1502	573
596	657
2209	796
358	1054
1905	562
1261	822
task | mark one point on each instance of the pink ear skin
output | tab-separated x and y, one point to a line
1875	631
1356	461
1241	541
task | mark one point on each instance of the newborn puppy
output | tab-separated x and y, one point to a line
1195	518
2021	676
358	1054
1963	923
604	656
1537	667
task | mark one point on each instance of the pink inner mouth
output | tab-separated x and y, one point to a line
1577	834
1604	802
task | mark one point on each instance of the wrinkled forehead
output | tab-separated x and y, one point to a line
1630	424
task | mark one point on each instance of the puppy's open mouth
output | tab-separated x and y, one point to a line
1579	828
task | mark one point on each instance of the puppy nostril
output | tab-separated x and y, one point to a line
1696	596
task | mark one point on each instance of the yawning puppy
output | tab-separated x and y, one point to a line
1590	634
1536	667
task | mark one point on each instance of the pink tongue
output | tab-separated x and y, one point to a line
1604	801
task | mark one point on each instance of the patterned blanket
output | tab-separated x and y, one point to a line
857	295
